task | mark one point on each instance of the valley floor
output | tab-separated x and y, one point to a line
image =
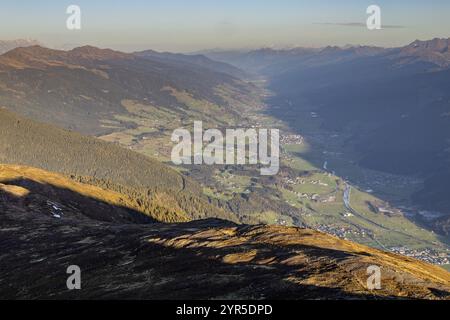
312	186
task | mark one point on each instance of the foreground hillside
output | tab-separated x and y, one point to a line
78	200
48	222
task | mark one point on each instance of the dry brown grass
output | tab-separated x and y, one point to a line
15	172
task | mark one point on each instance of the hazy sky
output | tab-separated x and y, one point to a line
189	25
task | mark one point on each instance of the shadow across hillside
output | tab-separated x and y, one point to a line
60	202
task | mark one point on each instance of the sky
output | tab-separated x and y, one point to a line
191	25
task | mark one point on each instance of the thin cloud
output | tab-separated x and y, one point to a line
358	24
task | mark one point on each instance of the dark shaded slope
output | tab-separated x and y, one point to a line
58	197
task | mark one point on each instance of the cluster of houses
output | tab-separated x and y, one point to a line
300	180
343	232
427	255
295	139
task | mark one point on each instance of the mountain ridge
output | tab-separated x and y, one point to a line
196	59
433	51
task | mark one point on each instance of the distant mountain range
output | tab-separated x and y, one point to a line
197	59
270	61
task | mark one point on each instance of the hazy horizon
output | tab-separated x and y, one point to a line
68	47
200	25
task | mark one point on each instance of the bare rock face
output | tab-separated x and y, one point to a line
43	231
